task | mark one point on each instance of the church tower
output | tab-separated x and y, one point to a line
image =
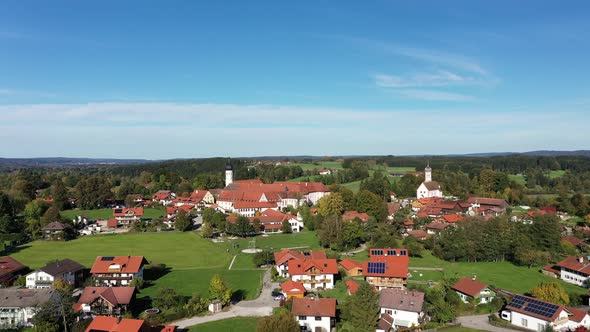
427	173
229	174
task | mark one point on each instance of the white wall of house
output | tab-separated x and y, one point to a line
283	270
536	324
39	279
306	281
313	322
573	277
16	317
296	225
409	316
485	296
423	192
315	196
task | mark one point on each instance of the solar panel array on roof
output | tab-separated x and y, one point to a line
376	267
107	258
534	306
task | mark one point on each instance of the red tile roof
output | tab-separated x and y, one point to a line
352	286
437	226
113	295
453	218
9	266
114	324
112	223
198	195
572	239
352	215
579	264
301	267
418	234
488	201
469	286
551	268
122	212
395	266
127	264
322	307
285	255
291	287
408	223
577	315
349	264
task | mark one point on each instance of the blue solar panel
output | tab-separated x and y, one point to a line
534	306
376	267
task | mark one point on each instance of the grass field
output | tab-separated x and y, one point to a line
192	260
518	178
556	174
318	165
149	213
354	186
278	241
242	324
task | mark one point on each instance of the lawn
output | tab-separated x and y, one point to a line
401	169
148	213
192	260
242	324
278	241
354	186
318	165
556	174
518	178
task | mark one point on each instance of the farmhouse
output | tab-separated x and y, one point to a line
202	198
127	216
271	221
163	197
117	270
405	307
387	268
472	290
66	270
10	269
19	306
316	314
292	289
482	206
575	270
418	234
429	188
352	268
54	231
283	257
354	215
436	227
314	273
109	301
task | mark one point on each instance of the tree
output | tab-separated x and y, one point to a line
218	290
51	215
62	285
331	205
91	192
551	292
331	232
352	234
264	257
55	314
361	310
366	201
242	227
196	305
166	298
59	193
137	282
286	227
207	230
281	322
182	221
256	225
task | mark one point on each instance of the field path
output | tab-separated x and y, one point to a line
232	262
262	306
480	322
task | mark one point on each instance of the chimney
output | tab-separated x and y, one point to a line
474	276
581	259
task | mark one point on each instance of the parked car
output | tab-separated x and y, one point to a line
277	296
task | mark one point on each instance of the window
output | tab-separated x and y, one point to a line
387	311
523	322
540	327
318	318
302	317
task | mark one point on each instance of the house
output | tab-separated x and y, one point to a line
315	314
385	324
114	324
482	206
472	290
405	307
314	273
452	218
292	289
575	270
351	268
108	301
54	231
10	270
163	197
127	216
354	215
352	286
418	234
436	227
283	257
202	198
117	270
392	208
407	226
429	188
19	306
387	268
533	314
171	211
66	270
271	221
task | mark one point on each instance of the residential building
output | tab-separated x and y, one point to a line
202	198
283	257
108	301
317	314
292	289
163	197
533	314
574	270
385	324
54	231
66	270
435	227
314	273
271	221
351	268
405	307
418	234
483	206
117	270
470	289
387	268
354	215
429	188
351	286
127	216
10	269
19	306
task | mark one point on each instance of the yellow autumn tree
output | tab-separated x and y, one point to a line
551	292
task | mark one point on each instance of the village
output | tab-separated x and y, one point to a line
320	289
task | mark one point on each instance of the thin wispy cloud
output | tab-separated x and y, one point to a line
433	95
435	79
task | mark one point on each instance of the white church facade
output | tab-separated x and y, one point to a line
429	188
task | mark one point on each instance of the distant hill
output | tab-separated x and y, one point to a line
61	161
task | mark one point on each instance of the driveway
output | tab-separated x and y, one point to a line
480	322
262	306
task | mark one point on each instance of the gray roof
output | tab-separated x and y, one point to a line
24	298
401	300
60	267
432	185
54	226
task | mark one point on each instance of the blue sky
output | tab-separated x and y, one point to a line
178	79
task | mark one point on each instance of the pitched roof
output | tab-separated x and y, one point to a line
322	307
114	324
395	267
352	286
349	264
112	223
432	185
452	218
9	265
521	308
198	195
578	264
118	264
114	295
418	234
61	267
437	226
573	240
352	215
385	322
469	286
400	299
54	226
24	298
488	201
325	266
123	212
291	287
576	315
285	255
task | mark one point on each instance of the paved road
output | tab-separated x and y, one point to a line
480	322
262	306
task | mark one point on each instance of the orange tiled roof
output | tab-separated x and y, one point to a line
127	264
